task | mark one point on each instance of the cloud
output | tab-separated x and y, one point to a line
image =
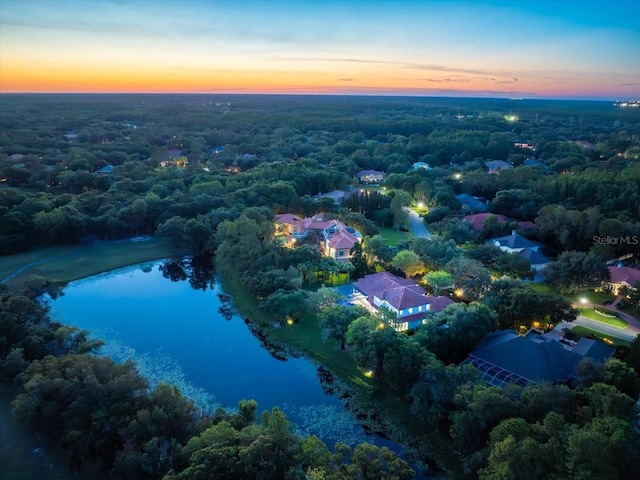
513	80
449	79
632	84
346	79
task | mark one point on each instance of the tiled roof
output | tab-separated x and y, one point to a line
400	292
624	275
287	218
527	225
514	241
342	239
535	358
477	220
403	297
439	303
364	173
534	257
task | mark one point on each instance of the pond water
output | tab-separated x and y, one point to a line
193	339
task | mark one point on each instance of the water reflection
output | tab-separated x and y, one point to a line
193	338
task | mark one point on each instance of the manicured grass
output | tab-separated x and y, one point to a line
394	236
599	298
67	263
588	332
609	320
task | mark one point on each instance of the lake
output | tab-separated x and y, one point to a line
192	338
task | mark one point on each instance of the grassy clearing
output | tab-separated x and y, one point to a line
608	318
394	236
67	263
608	339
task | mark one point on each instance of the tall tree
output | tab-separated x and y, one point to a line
335	321
575	270
409	262
438	279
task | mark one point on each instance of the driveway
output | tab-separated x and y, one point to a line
628	333
417	225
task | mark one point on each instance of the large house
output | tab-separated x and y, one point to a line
516	243
402	296
504	357
336	238
621	276
370	176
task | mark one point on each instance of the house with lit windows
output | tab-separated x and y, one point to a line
402	296
335	238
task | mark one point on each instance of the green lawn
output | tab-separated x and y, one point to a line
587	332
394	236
68	263
609	320
599	298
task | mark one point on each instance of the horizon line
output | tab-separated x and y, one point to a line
333	94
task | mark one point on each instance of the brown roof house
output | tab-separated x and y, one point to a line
402	296
337	239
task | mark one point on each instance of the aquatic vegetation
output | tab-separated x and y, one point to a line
331	423
157	368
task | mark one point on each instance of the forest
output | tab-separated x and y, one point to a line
210	172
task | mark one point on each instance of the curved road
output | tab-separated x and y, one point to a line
628	333
417	225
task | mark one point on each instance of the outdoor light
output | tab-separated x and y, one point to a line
457	176
420	204
583	301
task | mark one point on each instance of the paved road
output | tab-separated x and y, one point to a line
628	333
417	225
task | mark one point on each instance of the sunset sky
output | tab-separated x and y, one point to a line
502	48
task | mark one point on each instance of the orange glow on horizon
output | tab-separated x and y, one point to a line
321	77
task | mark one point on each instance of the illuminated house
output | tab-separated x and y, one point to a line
402	296
336	238
370	176
620	277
